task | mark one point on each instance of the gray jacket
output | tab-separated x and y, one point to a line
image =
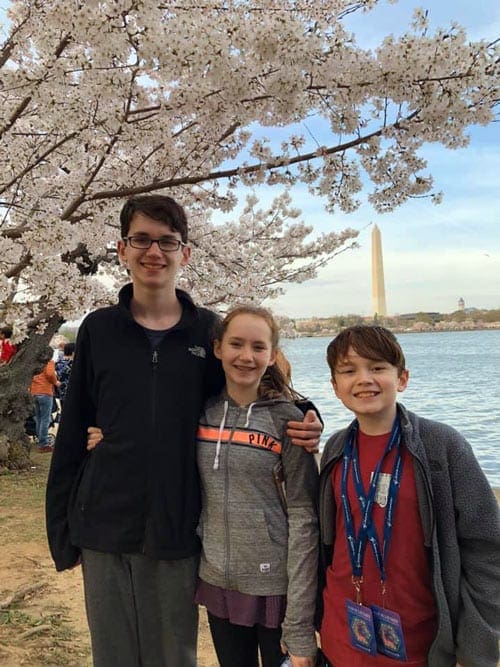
461	525
254	541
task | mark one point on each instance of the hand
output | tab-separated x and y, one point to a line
298	661
306	433
94	437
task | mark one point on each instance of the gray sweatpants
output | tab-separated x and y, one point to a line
141	612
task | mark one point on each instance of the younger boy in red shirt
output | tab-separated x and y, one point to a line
410	527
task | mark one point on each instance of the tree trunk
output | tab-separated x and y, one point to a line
15	399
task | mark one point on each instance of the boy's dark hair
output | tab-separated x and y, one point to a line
45	355
158	207
69	349
6	331
370	342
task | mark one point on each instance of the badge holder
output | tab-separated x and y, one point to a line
360	622
388	631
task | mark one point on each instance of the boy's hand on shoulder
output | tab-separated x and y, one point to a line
306	433
94	437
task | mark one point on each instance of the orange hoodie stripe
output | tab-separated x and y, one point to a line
241	437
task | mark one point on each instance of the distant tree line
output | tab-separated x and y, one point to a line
317	325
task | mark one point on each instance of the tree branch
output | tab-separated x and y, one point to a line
39	159
275	163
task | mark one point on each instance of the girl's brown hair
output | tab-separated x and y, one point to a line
274	382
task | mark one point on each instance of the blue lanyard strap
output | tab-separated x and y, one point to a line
367	531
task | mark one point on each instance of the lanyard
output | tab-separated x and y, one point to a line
367	531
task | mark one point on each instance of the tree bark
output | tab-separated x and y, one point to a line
15	399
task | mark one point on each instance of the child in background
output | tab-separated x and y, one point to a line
409	525
259	552
7	350
63	370
42	389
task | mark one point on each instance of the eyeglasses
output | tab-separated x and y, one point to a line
165	243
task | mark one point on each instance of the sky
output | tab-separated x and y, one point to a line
432	255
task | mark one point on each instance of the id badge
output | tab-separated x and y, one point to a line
389	633
361	627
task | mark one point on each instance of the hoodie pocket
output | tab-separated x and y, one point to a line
252	549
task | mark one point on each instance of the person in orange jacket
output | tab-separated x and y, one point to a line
42	390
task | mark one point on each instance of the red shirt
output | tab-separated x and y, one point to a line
7	351
408	580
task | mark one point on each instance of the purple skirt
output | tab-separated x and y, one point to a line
240	608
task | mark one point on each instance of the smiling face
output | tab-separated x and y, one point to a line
245	350
152	269
369	387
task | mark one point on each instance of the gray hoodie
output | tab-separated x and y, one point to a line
461	524
253	540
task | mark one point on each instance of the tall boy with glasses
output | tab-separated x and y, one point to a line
129	510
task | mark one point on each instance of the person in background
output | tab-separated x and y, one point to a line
57	344
42	389
258	525
284	365
63	370
302	402
7	349
128	511
410	531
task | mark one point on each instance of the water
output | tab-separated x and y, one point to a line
454	378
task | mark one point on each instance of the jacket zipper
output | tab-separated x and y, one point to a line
226	488
154	362
154	366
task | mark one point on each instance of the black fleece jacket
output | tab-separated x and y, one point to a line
138	491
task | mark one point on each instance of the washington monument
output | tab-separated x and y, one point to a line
378	285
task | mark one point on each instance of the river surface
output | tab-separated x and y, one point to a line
454	378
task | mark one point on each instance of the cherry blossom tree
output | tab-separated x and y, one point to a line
103	100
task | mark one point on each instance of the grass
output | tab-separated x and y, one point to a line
22	499
36	629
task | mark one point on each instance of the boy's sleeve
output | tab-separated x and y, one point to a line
477	521
304	404
301	475
69	455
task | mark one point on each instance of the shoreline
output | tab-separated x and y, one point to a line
398	330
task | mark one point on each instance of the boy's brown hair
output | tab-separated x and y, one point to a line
370	342
158	207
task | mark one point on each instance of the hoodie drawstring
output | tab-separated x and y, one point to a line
249	412
221	429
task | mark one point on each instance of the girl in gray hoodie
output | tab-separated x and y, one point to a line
258	525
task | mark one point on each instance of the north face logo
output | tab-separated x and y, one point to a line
198	351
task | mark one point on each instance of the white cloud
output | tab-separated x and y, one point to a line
433	280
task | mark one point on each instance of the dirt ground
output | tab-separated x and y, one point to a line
42	616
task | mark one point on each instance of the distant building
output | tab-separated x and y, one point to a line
461	304
379	306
